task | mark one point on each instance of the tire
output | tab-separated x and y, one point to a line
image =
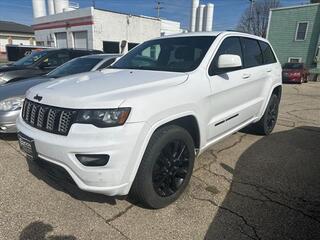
269	119
165	169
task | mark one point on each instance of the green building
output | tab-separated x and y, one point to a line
294	33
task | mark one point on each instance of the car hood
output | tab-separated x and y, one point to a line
20	88
103	89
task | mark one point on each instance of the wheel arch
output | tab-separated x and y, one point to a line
190	124
183	120
277	89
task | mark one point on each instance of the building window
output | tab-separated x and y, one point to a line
80	40
301	31
40	43
111	47
132	45
295	60
61	40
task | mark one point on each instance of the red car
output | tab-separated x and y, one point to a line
294	73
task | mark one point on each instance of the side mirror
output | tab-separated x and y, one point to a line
229	61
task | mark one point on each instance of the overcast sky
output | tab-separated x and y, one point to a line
227	12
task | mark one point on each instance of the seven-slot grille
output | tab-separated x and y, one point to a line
47	118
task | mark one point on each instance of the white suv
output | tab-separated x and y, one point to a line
136	128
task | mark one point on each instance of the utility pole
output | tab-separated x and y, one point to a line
158	8
251	12
94	3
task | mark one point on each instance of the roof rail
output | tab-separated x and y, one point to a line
230	30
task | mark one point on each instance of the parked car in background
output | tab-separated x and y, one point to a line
294	73
16	52
39	63
12	94
136	127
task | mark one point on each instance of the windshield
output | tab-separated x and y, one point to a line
180	54
75	66
30	59
293	66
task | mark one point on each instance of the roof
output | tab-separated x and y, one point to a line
297	6
15	27
103	56
193	34
128	14
214	34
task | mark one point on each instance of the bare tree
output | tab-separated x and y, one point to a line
255	18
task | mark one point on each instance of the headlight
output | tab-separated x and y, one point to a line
104	118
11	104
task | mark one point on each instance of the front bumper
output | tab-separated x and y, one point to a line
121	143
8	121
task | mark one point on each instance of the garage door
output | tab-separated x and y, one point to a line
80	40
61	40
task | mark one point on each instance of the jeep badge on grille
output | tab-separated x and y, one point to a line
38	98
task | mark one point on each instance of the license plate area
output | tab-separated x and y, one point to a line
27	145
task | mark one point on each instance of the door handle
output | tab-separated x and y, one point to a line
246	75
270	70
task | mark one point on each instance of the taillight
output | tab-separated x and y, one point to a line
295	74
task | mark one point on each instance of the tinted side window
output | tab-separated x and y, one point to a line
107	63
230	45
57	59
251	53
75	54
268	56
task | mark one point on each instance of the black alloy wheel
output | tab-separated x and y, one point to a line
269	119
165	169
171	168
272	114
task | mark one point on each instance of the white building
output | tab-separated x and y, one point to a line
99	29
14	33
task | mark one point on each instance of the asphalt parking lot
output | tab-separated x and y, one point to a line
246	187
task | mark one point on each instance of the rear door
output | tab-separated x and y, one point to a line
257	75
272	71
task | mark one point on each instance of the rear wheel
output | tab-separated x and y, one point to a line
269	119
165	169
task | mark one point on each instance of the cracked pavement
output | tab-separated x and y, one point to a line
244	187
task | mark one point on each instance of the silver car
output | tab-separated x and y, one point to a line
12	94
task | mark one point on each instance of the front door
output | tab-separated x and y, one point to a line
235	93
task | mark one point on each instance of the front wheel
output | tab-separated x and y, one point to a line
165	169
269	119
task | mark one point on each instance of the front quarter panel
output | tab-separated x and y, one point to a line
161	107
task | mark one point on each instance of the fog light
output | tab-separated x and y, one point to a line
93	160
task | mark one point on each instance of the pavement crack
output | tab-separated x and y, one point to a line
14	148
247	196
220	175
291	113
244	220
259	189
119	214
106	220
288	207
239	140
